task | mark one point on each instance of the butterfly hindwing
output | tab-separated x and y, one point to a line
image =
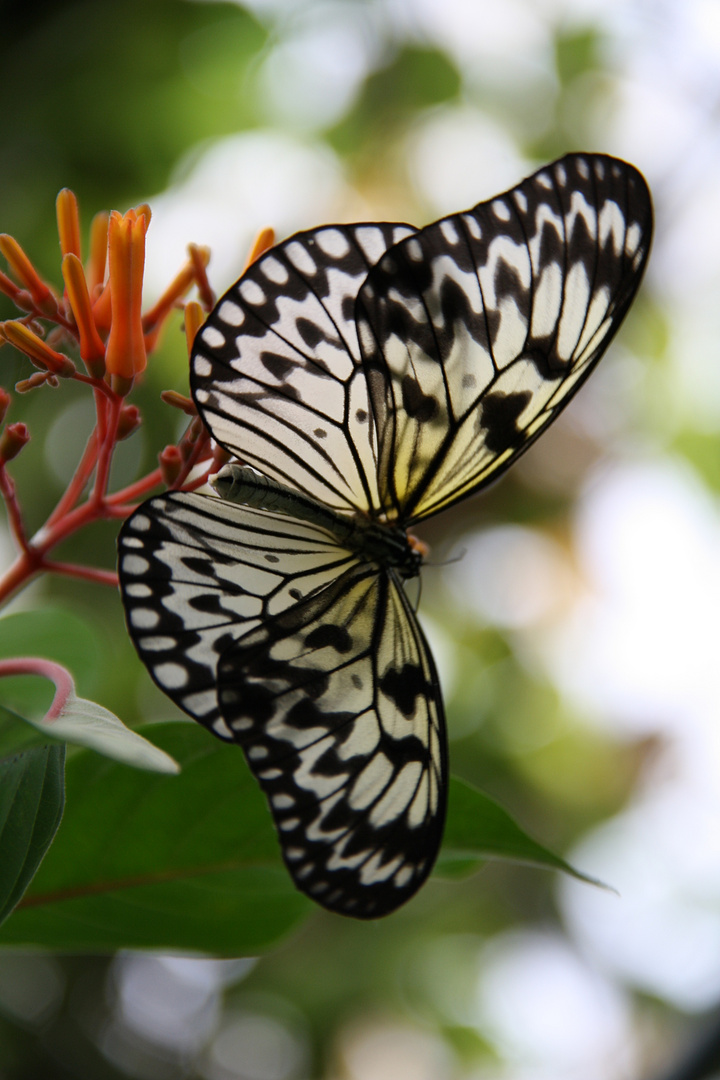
198	573
477	330
337	706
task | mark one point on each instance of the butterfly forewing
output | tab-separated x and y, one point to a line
477	330
198	573
337	705
276	368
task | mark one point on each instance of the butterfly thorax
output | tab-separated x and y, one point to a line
384	543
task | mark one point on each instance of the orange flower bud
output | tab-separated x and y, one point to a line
179	401
263	242
68	220
4	403
125	355
95	270
38	378
170	464
11	289
36	349
128	421
200	257
26	273
194	318
12	441
92	349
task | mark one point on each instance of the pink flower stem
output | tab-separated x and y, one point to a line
107	447
77	485
17	525
85	573
134	491
35	665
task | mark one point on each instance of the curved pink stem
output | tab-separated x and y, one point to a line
36	665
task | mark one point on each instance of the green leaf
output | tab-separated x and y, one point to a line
85	723
17	734
31	806
150	861
478	828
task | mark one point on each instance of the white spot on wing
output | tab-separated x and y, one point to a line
612	224
501	210
414	250
212	337
144	618
171	676
274	270
231	313
301	258
473	226
158	644
135	565
333	242
202	367
138	591
251	292
632	240
447	228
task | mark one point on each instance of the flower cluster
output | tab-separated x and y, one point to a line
97	320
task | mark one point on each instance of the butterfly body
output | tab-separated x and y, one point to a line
384	543
369	375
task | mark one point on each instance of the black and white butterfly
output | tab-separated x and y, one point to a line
366	376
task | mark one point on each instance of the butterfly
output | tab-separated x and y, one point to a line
366	377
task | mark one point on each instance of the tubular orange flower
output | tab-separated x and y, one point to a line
68	221
36	349
194	318
92	349
95	270
26	273
125	356
263	242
